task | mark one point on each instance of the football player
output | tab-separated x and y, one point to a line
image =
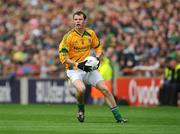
73	49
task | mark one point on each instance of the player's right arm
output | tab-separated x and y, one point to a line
64	48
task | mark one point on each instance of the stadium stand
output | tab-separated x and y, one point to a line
142	34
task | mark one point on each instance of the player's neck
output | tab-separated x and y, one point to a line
80	30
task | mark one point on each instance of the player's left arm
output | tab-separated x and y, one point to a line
97	46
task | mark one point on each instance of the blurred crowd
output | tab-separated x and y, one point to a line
137	35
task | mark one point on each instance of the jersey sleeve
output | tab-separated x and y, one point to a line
64	48
96	44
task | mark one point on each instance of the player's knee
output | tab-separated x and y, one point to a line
103	88
79	85
105	92
81	88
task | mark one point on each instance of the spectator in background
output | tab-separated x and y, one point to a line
169	89
166	85
148	68
175	86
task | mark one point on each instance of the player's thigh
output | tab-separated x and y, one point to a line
76	77
79	85
93	78
101	86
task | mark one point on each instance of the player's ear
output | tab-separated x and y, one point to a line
85	21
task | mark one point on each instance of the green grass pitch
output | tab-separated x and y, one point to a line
61	119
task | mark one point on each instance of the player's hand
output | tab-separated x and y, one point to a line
83	67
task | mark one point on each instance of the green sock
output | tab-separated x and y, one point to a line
81	107
116	113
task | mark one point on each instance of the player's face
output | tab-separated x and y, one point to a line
79	21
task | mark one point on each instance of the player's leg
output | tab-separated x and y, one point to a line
110	101
76	79
79	85
94	78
